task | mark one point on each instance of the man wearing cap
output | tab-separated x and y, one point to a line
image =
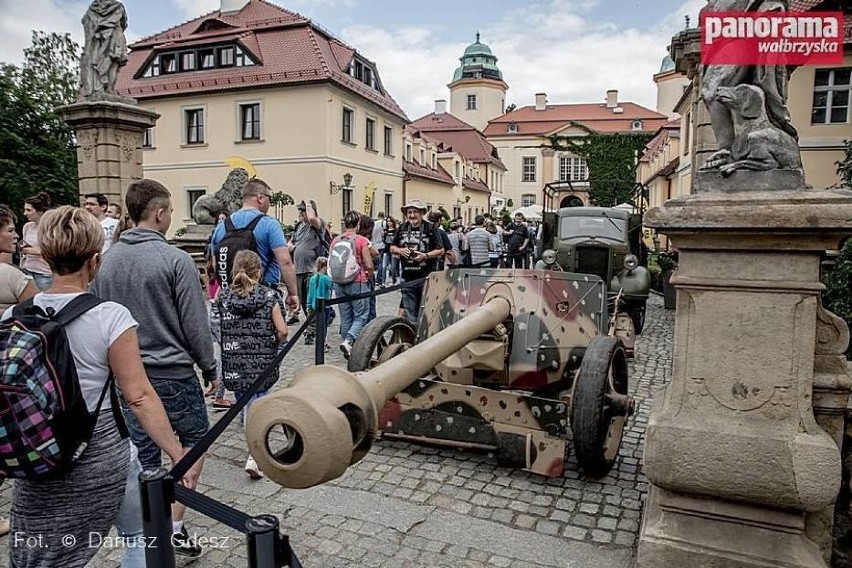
418	247
308	244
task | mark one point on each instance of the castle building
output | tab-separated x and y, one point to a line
477	91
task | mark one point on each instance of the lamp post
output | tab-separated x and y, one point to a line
347	184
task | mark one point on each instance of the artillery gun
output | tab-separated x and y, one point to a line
509	361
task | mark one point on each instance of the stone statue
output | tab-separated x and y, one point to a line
105	50
770	80
229	198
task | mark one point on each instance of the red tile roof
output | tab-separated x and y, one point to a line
475	185
289	47
416	170
658	142
594	116
456	135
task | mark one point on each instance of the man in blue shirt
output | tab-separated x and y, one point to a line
271	243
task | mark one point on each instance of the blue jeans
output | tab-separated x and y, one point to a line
379	263
354	315
392	262
42	281
411	301
244	411
184	404
129	520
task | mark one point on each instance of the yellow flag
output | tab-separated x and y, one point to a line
368	199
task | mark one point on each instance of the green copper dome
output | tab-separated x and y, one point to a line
477	63
667	65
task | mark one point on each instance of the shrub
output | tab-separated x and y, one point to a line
837	297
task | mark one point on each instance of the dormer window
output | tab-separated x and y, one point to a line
188	60
636	124
512	128
364	72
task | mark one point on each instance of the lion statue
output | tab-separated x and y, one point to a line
228	198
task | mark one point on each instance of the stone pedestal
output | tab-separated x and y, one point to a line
742	473
193	241
109	144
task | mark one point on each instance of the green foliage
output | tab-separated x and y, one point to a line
611	160
180	231
666	260
37	149
844	166
837	296
282	198
510	203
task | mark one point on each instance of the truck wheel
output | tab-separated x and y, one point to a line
600	405
380	339
637	314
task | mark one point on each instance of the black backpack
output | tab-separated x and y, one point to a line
45	424
233	242
324	246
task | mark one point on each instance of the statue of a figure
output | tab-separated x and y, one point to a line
770	80
105	50
228	198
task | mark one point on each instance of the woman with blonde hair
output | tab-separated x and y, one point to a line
32	261
62	511
252	327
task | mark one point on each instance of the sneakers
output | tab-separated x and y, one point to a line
184	545
252	470
309	340
293	320
346	347
221	404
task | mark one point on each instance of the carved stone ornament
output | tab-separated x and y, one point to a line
127	144
87	140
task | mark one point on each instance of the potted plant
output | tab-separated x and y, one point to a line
667	261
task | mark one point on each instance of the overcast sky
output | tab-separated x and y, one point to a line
573	50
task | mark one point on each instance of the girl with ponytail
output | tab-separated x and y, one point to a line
252	327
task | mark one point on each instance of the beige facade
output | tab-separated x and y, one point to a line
299	152
670	87
476	101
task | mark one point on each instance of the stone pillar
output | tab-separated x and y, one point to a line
109	144
742	474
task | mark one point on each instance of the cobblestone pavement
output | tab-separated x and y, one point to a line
418	506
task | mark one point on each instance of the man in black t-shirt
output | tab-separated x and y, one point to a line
418	247
518	239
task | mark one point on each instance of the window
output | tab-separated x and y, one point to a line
471	102
250	121
388	141
194	121
434	161
388	204
422	157
148	138
187	61
512	128
363	72
831	96
168	63
192	195
242	59
370	140
408	152
528	168
208	58
348	115
347	201
636	125
457	171
527	199
226	57
572	168
153	69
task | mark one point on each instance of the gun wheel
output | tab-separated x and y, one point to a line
381	339
600	405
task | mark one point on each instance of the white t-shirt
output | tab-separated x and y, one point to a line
90	337
110	225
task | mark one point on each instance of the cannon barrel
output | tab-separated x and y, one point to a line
327	418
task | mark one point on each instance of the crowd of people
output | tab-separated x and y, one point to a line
152	328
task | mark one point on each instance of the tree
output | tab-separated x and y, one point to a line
37	149
844	166
611	162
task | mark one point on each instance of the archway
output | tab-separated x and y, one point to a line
571	201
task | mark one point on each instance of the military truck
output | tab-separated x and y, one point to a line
604	241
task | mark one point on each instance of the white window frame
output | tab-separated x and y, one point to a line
527	199
471	99
188	190
185	122
573	168
529	169
148	136
830	89
240	108
387	142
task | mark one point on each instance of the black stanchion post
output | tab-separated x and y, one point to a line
319	321
262	542
157	494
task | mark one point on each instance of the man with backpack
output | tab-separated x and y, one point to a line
310	241
418	246
350	266
249	228
159	284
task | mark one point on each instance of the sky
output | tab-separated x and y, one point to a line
572	50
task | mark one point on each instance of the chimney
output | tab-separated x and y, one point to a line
440	106
611	98
233	5
540	101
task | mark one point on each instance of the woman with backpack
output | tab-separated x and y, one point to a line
252	327
350	266
63	506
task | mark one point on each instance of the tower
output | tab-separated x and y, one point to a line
670	86
477	92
